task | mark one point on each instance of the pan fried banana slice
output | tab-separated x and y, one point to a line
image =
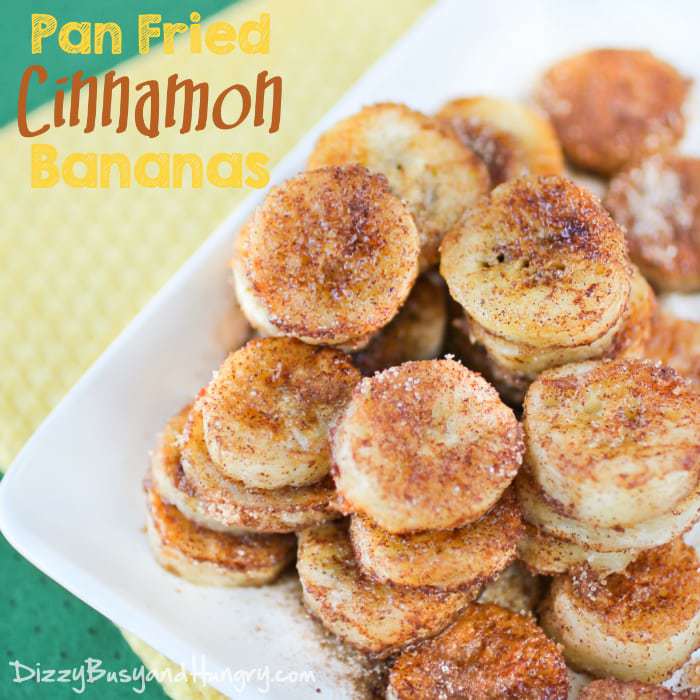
372	617
212	558
658	203
510	385
541	512
515	588
426	165
611	107
417	332
448	559
614	443
611	689
427	445
542	273
267	410
511	138
171	483
632	338
488	653
637	625
676	342
231	504
549	555
329	257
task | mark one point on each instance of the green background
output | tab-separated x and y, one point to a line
40	622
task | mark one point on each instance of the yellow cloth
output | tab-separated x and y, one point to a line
78	264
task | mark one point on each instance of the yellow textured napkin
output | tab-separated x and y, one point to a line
78	264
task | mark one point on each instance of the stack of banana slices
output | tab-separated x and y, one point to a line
487	525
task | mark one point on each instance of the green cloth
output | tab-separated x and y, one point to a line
40	622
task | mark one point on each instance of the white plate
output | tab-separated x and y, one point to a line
72	501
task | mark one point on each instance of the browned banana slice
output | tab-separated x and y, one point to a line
658	203
329	257
515	588
632	338
417	332
426	445
542	273
637	625
614	443
425	164
489	653
171	483
231	504
511	138
546	515
611	689
611	107
213	558
267	410
676	342
550	555
447	559
370	616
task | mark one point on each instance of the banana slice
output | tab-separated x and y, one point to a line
488	653
510	385
425	446
515	588
448	559
511	138
425	164
611	689
212	558
417	332
329	257
658	203
614	443
230	503
543	513
267	410
614	106
171	483
549	555
676	342
637	625
542	273
372	617
631	340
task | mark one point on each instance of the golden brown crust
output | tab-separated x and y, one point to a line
613	106
230	503
657	201
511	138
416	333
267	410
615	443
676	342
425	164
446	560
246	559
611	689
376	618
427	445
538	267
488	653
329	257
